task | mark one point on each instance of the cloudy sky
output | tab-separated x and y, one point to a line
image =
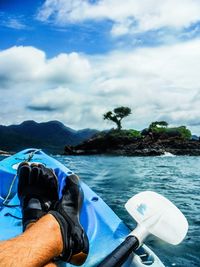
73	60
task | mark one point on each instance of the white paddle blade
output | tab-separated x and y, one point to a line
158	216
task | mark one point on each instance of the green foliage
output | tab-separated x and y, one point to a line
125	133
122	112
134	133
117	115
185	133
120	134
160	130
180	131
158	123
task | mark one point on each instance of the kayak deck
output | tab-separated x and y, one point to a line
104	228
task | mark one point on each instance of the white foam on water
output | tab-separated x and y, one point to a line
168	154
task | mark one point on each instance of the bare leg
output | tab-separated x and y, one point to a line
51	264
36	247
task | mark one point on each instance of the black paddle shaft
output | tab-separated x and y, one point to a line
121	253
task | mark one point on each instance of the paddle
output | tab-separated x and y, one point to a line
154	215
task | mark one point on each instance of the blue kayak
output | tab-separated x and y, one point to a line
104	228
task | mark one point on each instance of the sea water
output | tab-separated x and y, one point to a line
116	179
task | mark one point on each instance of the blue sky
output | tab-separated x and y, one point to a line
74	60
20	26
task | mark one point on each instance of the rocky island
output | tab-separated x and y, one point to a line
158	139
153	141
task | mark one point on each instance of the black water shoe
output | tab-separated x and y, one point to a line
66	212
37	191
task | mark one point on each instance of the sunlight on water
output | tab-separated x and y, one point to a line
116	179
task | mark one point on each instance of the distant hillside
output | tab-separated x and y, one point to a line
51	136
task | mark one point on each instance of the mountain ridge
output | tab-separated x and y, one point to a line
50	136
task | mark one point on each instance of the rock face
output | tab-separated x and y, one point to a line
129	146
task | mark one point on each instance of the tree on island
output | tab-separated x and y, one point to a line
160	130
117	115
158	124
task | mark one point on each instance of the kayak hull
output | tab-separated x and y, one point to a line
104	228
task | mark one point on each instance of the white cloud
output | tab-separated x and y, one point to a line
60	98
15	24
157	83
12	22
130	17
24	64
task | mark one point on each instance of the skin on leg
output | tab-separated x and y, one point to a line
51	264
36	247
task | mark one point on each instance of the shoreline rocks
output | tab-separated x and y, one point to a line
125	146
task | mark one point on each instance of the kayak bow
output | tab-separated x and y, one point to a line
104	228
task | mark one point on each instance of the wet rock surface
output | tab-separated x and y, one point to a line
129	146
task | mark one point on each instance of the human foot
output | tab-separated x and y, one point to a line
37	191
66	212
